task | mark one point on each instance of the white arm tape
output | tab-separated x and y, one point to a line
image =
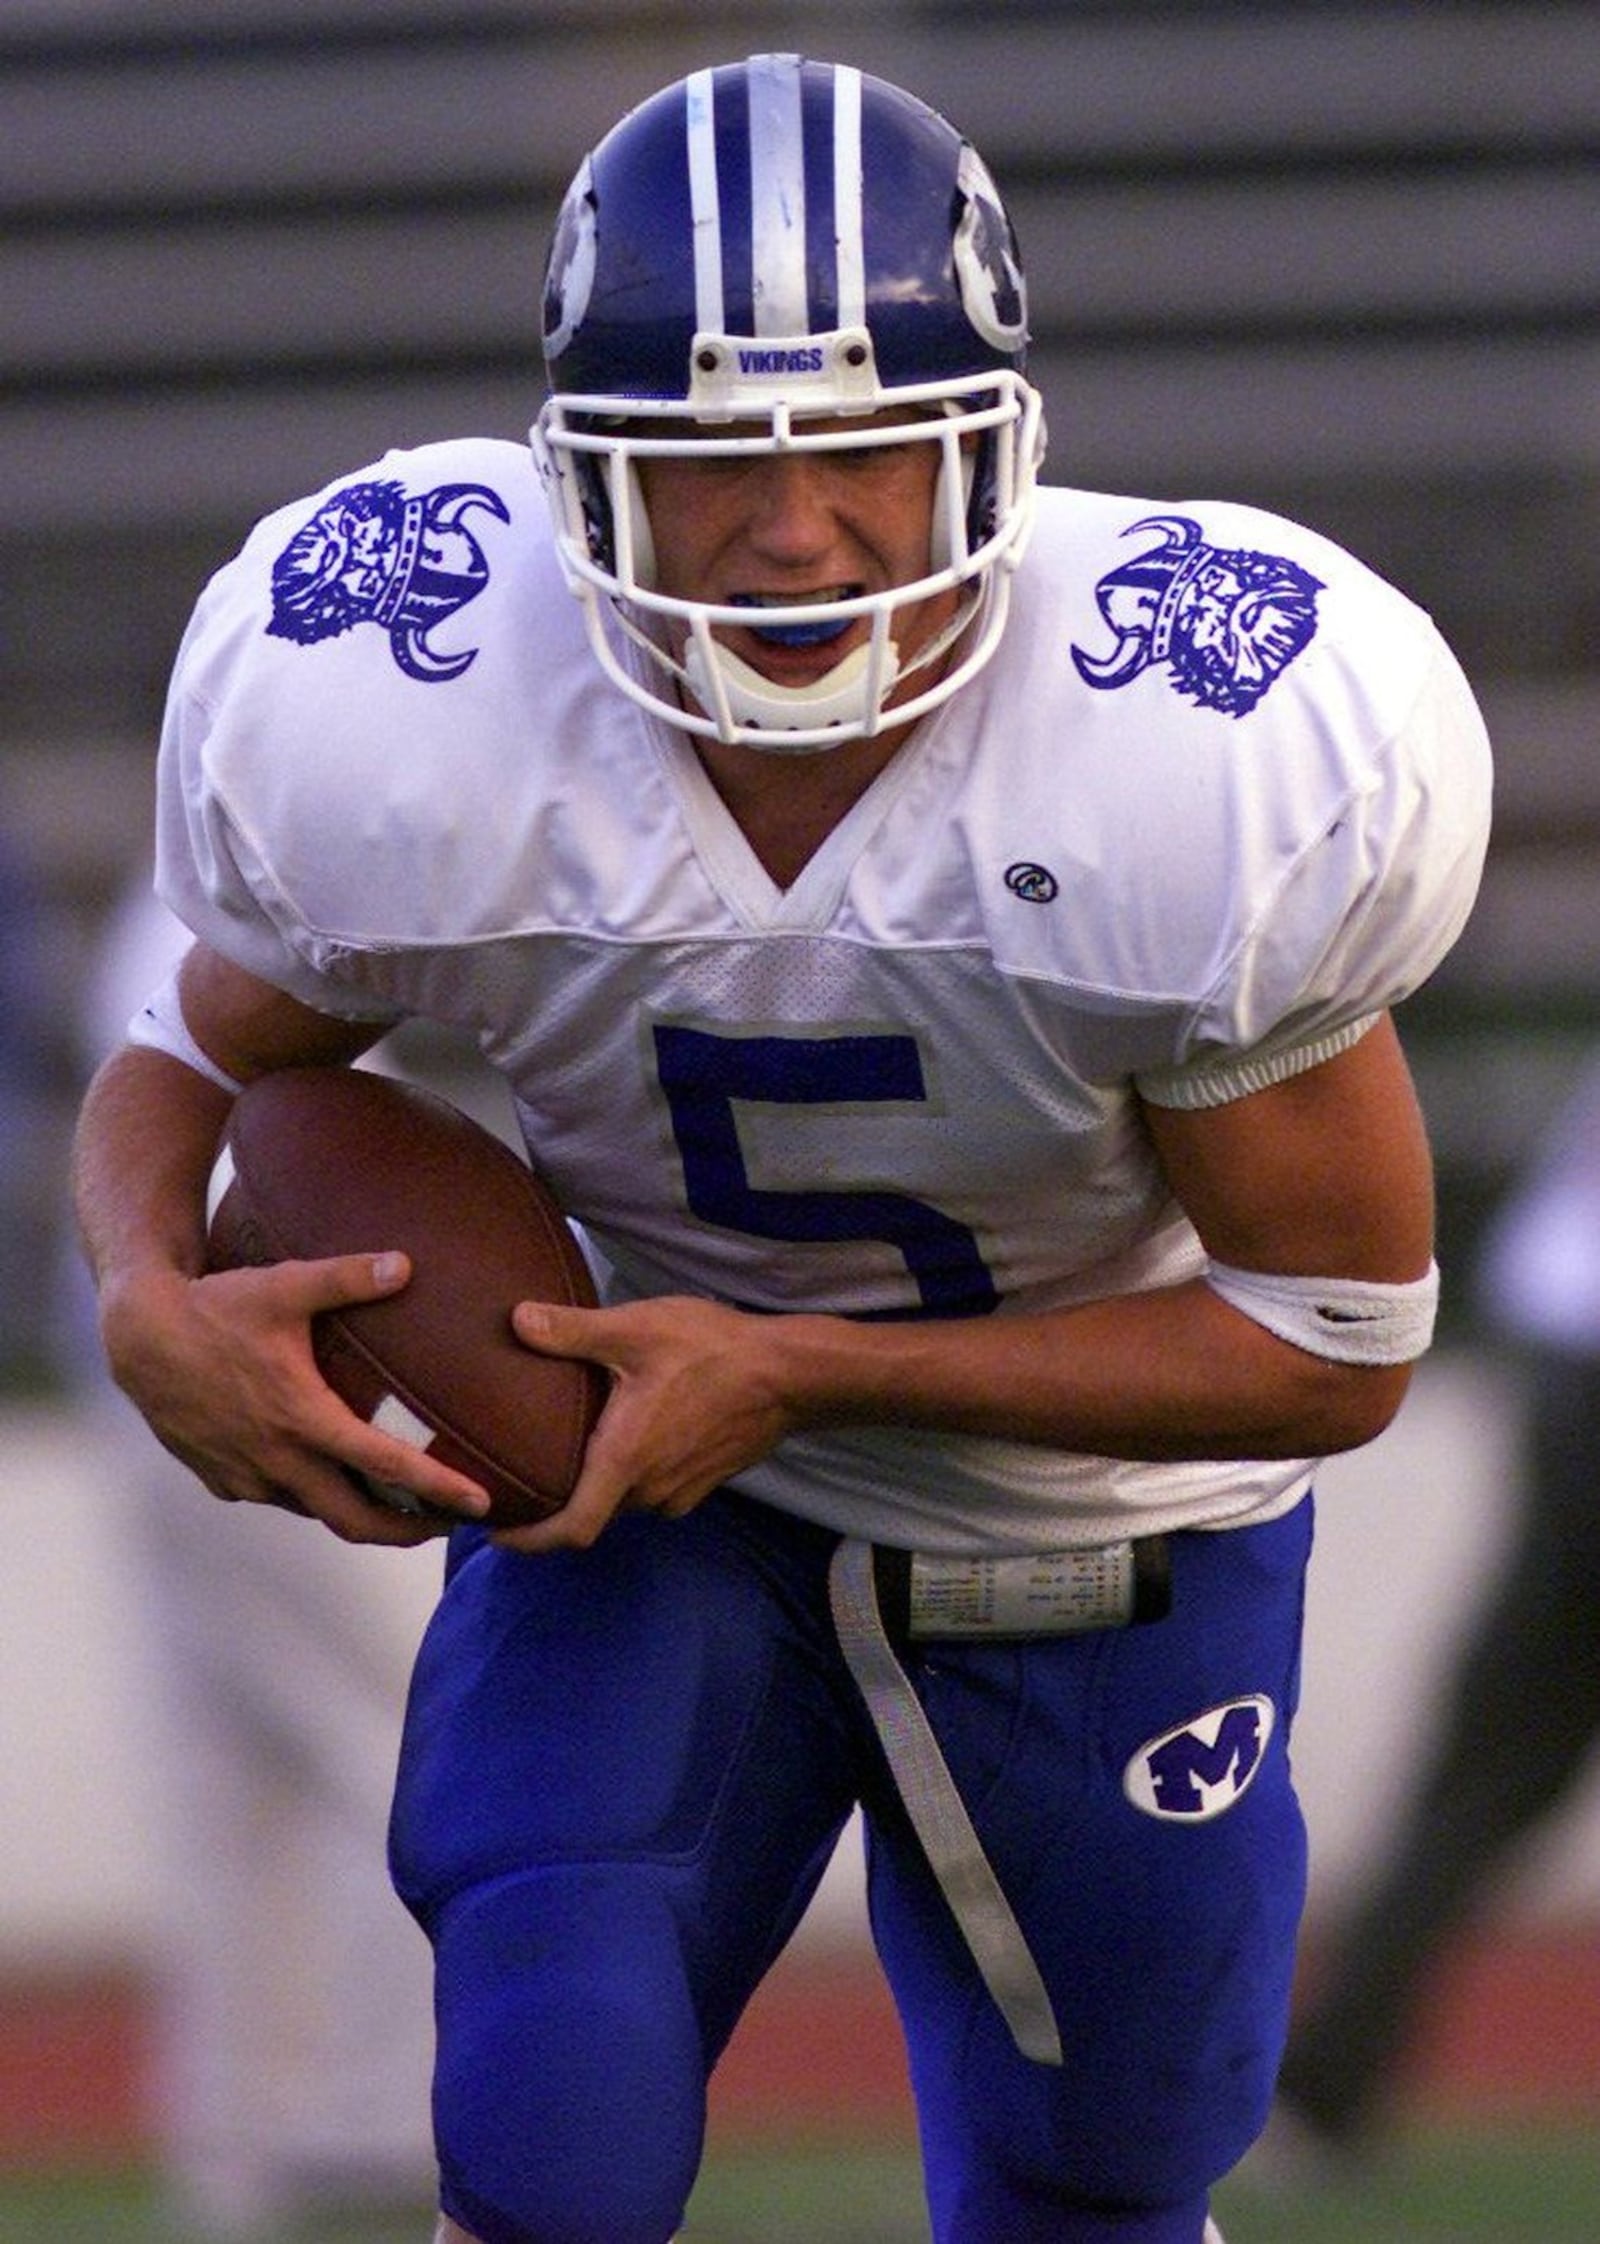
1348	1320
160	1024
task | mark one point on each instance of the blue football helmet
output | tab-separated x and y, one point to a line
812	259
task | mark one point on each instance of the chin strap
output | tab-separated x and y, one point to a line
851	696
851	693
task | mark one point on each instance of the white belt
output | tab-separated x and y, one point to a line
955	1853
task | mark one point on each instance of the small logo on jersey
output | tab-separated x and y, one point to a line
988	269
372	554
1035	884
1228	621
1204	1766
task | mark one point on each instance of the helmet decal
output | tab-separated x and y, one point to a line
374	554
988	271
569	276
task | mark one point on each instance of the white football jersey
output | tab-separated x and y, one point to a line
1219	798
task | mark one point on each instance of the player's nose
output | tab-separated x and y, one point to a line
791	515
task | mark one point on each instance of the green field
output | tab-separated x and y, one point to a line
1492	2185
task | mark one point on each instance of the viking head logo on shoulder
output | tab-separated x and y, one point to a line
1228	621
372	554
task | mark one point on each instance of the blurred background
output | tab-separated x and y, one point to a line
1338	260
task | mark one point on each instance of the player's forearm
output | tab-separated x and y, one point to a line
146	1137
1170	1374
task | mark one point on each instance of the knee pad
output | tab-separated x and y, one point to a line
569	2087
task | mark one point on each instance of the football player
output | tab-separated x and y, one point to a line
941	934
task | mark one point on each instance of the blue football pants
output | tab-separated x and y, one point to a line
624	1771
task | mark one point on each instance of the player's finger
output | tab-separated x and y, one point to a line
337	1282
406	1480
320	1489
356	1511
552	1329
598	1495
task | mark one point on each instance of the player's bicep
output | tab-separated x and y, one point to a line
248	1028
1327	1174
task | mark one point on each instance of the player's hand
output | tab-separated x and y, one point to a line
694	1398
222	1367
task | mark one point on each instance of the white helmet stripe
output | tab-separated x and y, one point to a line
704	205
847	169
777	197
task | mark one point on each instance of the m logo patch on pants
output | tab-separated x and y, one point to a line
1200	1769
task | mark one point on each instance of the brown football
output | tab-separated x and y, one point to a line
331	1161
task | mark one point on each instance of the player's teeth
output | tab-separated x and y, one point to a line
821	599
